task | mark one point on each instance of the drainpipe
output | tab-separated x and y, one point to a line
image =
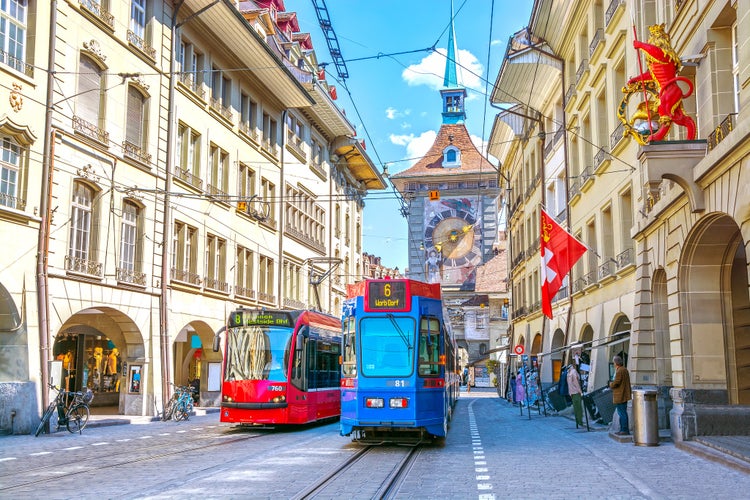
282	208
166	225
44	207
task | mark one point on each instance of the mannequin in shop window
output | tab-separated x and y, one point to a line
111	369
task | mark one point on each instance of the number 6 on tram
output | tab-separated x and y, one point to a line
399	378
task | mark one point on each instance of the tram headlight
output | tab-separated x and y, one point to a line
227	399
399	402
279	399
374	403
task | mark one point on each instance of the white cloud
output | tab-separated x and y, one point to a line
390	113
416	147
430	70
482	147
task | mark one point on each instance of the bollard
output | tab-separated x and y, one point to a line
645	418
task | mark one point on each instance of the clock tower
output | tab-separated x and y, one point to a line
452	195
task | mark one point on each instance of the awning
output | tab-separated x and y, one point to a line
614	339
528	77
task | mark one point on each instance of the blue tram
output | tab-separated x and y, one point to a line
399	378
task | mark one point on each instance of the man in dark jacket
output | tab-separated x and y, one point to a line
621	394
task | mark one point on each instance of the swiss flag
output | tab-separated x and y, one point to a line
560	252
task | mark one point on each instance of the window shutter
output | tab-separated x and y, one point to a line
134	120
89	91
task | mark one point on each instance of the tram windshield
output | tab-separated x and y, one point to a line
258	353
386	349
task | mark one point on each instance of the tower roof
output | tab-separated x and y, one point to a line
450	79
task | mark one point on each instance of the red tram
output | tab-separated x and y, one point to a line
280	367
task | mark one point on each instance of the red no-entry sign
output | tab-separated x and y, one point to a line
518	349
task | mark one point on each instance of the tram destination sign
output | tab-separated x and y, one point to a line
387	295
248	317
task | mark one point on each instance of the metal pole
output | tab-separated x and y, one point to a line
43	241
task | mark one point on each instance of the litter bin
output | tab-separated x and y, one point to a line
645	418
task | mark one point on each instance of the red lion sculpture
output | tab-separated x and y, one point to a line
663	68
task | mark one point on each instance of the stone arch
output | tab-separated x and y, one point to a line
557	353
84	343
192	356
714	308
619	339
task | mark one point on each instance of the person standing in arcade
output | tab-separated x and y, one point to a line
575	392
621	394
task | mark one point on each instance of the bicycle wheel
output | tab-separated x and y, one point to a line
78	417
180	412
45	418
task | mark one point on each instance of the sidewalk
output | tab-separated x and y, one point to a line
104	420
731	451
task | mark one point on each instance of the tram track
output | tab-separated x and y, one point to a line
366	459
52	471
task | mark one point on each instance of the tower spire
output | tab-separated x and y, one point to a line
452	93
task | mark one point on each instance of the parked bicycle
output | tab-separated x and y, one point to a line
180	405
72	410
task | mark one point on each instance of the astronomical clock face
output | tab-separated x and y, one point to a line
453	238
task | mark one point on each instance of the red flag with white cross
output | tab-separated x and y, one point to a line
560	252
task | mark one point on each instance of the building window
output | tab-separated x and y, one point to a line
265	278
244	272
184	253
138	17
246	188
13	34
218	163
216	259
90	99
80	246
10	166
188	155
135	126
268	195
451	157
129	268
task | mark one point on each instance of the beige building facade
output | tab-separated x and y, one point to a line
184	176
665	280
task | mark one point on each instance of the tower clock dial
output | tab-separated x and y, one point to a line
454	234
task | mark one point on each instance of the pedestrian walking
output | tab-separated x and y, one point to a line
621	394
520	390
513	387
573	379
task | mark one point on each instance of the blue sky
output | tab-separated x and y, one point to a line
396	96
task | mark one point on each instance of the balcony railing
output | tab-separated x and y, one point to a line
600	156
308	240
616	136
249	131
607	269
570	93
582	68
294	304
266	297
187	80
598	38
215	191
244	291
131	277
9	201
90	130
268	147
575	188
16	64
141	44
624	258
613	5
85	266
590	278
295	144
718	135
136	153
187	176
318	169
186	276
216	284
100	12
218	106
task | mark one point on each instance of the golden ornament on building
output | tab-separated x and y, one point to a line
16	98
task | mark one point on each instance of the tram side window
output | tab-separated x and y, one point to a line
429	347
349	339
